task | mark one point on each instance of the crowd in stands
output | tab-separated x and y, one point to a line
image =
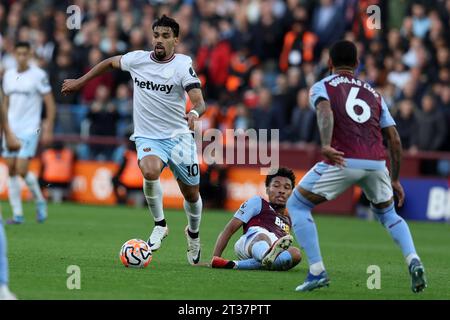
256	58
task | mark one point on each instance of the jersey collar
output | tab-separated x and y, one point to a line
153	57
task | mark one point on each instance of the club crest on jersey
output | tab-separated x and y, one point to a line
147	149
150	85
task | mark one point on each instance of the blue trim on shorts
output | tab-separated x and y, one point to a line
365	164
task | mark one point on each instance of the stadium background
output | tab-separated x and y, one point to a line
257	60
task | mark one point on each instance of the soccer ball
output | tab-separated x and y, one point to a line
135	253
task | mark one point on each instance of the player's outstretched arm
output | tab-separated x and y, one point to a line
199	106
325	122
225	236
395	154
72	85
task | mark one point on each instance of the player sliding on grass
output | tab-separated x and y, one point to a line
266	241
13	144
161	126
352	118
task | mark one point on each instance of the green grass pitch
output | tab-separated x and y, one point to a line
91	236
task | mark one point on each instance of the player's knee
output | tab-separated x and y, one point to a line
262	237
191	195
150	173
12	171
296	256
22	173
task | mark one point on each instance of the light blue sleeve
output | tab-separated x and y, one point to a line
386	119
317	91
249	209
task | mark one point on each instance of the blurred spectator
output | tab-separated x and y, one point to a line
57	171
61	69
302	126
124	105
396	13
431	133
242	63
213	60
263	114
327	22
420	21
406	121
299	45
127	181
242	120
103	118
255	85
88	92
266	34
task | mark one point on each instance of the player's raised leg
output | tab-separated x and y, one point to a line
151	167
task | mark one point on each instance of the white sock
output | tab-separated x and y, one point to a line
4	290
410	257
194	214
15	196
316	268
33	185
154	196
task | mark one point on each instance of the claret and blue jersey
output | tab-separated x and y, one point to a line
359	115
257	212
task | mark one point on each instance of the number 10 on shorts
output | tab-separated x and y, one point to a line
192	170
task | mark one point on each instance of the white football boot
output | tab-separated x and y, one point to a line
278	246
193	251
158	234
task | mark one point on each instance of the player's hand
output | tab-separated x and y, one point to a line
398	189
12	143
47	137
334	156
70	85
191	118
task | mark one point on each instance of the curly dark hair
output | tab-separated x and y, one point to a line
165	21
282	172
344	53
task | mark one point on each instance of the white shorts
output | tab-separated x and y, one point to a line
179	153
27	150
330	181
241	246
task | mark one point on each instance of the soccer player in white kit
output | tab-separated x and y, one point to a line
24	89
161	126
